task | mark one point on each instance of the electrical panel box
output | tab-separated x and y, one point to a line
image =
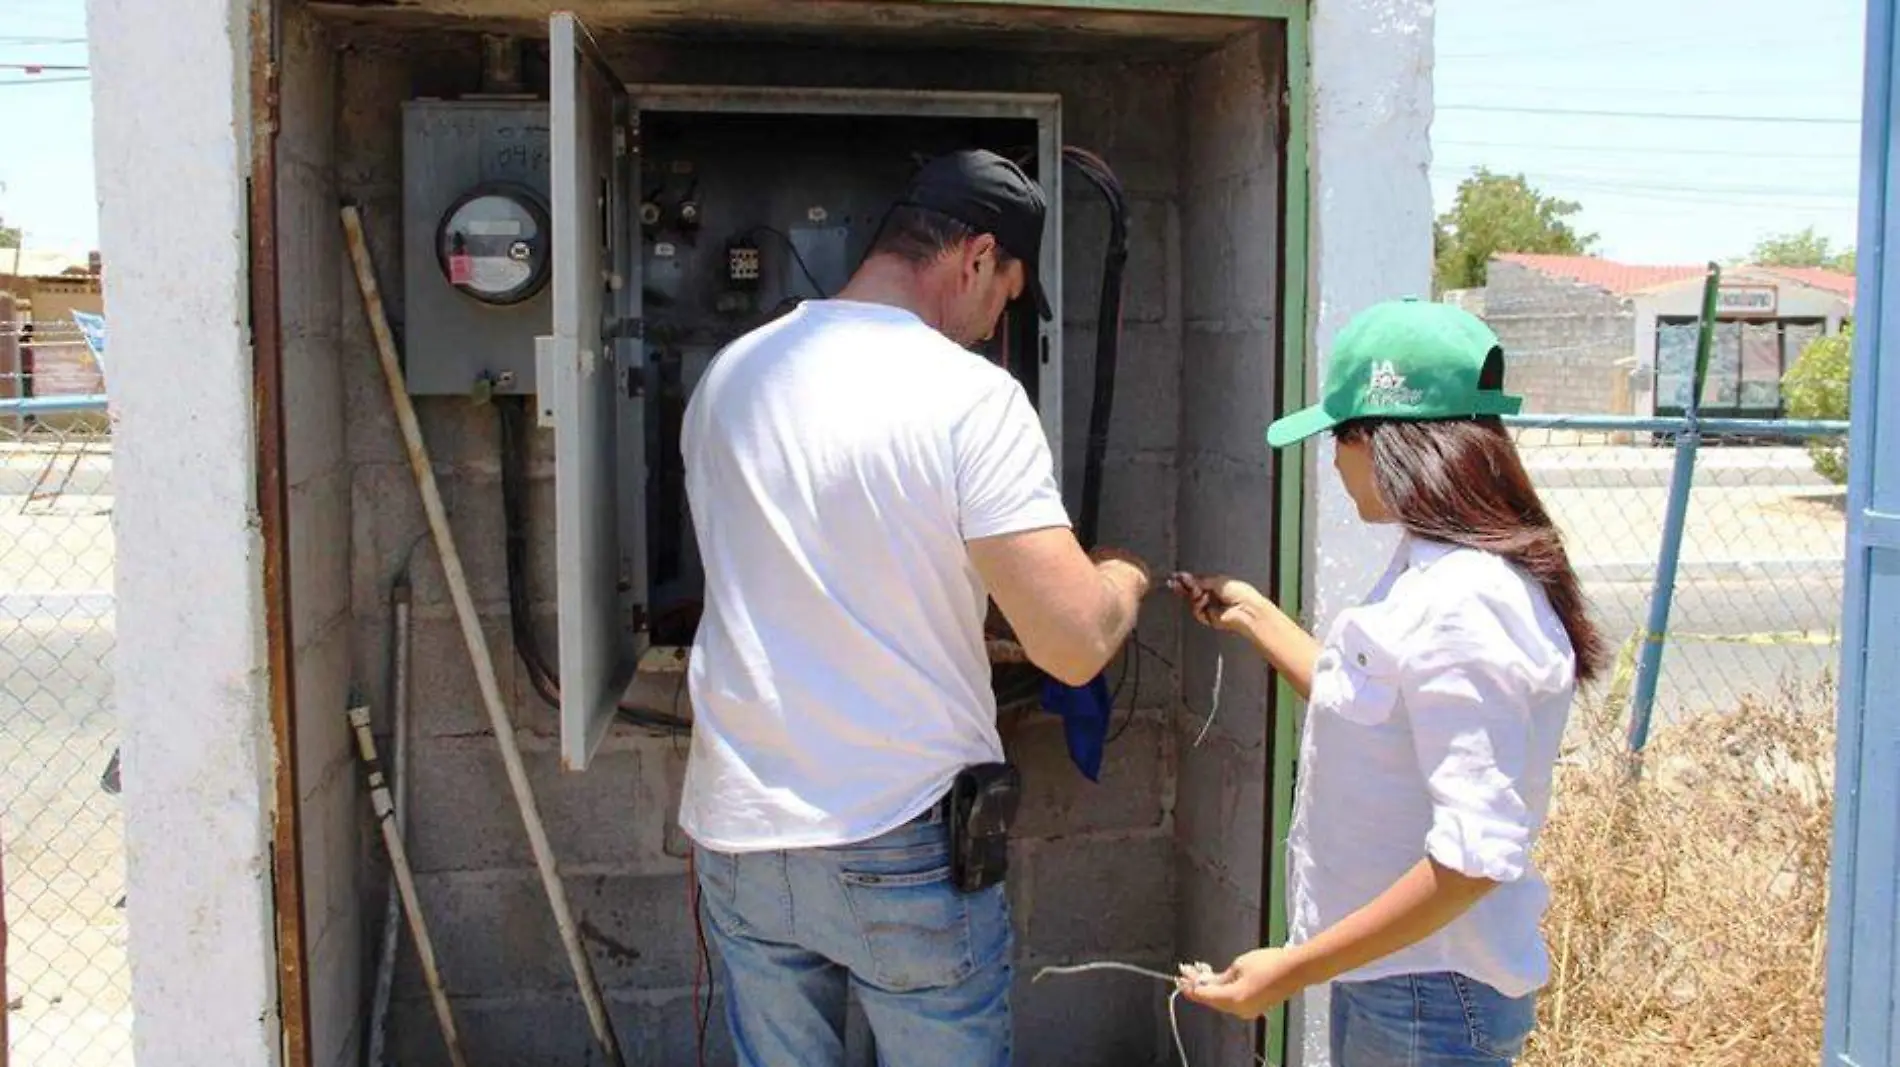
477	244
683	217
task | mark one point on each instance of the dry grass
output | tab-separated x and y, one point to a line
1689	906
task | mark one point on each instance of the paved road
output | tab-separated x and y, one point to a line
25	470
66	963
1779	630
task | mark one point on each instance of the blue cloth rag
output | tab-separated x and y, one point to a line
1085	711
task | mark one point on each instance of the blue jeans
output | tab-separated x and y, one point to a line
798	930
1427	1020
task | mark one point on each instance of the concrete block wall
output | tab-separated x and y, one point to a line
1098	871
1230	196
1562	339
336	929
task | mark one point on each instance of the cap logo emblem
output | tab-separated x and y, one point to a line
1387	388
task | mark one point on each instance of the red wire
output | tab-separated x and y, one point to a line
692	911
702	964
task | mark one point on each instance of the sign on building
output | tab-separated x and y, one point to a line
1746	300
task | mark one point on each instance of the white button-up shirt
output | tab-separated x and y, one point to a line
1436	714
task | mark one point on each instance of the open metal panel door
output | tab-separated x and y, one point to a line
1863	1025
587	145
1049	388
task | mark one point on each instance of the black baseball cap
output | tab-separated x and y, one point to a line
992	195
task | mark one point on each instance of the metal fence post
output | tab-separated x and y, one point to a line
1681	480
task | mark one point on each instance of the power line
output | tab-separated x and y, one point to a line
35	68
41	40
1651	45
1650	180
1643	150
1728	197
1643	90
1522	52
45	81
1812	120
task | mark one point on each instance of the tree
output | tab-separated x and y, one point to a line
1816	387
1803	249
9	235
1496	213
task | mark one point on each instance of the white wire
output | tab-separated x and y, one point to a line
1174	998
1103	965
1220	664
1174	1025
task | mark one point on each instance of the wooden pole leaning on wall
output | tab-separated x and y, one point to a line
405	885
472	635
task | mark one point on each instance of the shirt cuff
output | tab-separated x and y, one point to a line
1039	515
1478	847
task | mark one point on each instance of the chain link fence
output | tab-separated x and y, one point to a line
1757	603
67	980
1757	595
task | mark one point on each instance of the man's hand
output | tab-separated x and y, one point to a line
1123	561
1071	614
1255	984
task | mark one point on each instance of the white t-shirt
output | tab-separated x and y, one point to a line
837	460
1436	714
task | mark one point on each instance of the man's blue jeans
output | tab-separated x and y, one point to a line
1439	1019
798	930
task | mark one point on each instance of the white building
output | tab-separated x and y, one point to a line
1584	334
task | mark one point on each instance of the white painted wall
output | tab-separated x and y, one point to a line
169	85
1371	241
1371	233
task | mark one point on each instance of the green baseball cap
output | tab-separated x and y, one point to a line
1403	359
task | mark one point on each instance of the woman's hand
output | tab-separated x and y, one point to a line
1221	602
1255	984
1226	604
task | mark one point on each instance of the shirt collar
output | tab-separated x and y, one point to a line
1420	553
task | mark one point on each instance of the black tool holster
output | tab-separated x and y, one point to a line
983	804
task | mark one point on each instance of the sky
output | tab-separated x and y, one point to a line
46	160
1771	145
1777	87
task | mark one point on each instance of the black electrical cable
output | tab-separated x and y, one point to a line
1131	663
1107	356
546	682
1014	688
513	459
810	278
1107	336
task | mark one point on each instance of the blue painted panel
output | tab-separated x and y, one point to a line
1863	1027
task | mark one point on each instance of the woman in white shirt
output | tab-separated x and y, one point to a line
1435	711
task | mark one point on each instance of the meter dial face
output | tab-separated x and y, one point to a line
493	245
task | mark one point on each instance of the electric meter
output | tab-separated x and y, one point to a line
492	244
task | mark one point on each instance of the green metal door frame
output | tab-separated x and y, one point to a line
1284	706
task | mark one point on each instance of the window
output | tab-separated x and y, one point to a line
1746	364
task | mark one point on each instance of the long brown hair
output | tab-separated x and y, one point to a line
1462	482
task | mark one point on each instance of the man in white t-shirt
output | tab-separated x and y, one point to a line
861	484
